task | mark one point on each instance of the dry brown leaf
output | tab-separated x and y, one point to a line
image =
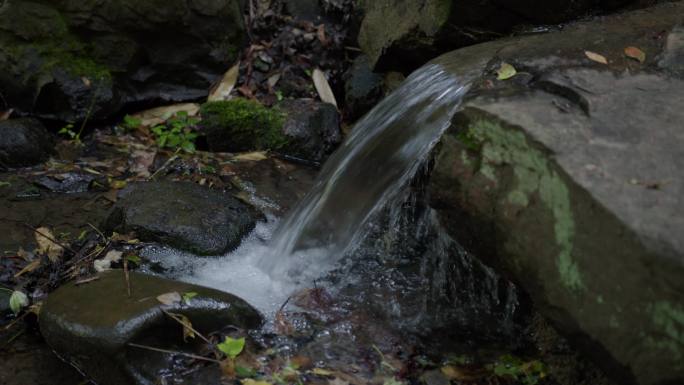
28	268
225	87
47	245
141	161
636	54
596	57
461	374
187	326
254	156
273	80
169	298
323	88
159	115
4	115
282	325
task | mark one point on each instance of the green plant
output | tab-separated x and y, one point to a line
526	372
68	131
177	132
232	347
130	123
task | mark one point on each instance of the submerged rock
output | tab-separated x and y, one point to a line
24	142
301	128
182	215
407	32
69	60
92	325
569	180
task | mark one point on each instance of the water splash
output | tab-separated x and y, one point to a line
379	158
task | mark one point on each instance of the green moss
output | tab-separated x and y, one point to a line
247	124
669	320
533	175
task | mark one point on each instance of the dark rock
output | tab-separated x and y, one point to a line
569	183
24	142
69	60
302	128
402	34
312	129
69	183
183	215
91	325
309	10
4	302
363	88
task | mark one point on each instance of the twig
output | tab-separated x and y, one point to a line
98	231
168	161
173	316
49	238
11	324
86	280
173	352
128	279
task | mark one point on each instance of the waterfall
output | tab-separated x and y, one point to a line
377	160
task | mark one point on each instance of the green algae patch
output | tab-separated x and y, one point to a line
532	175
243	125
669	320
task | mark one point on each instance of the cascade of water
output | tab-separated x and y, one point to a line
378	159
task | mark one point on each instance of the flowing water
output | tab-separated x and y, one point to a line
377	161
366	233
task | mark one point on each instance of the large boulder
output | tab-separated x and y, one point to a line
567	177
93	325
182	215
24	142
71	60
405	33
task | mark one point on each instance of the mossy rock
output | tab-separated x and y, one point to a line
68	60
242	125
301	128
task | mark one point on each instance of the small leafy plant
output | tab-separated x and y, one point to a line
130	123
177	132
526	372
69	132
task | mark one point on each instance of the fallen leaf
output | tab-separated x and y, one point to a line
321	372
596	57
225	87
113	256
636	54
273	80
249	381
282	325
338	381
17	301
28	268
323	88
86	81
169	298
506	71
159	115
251	156
187	296
461	374
321	35
141	161
47	246
232	347
4	115
118	184
187	326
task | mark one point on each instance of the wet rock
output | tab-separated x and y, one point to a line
183	215
4	302
70	59
309	10
363	88
24	142
403	34
312	129
569	182
302	128
91	325
67	183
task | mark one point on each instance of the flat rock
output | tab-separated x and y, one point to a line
568	178
91	325
182	215
24	142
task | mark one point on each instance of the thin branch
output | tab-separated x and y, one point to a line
49	238
126	276
173	316
173	352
